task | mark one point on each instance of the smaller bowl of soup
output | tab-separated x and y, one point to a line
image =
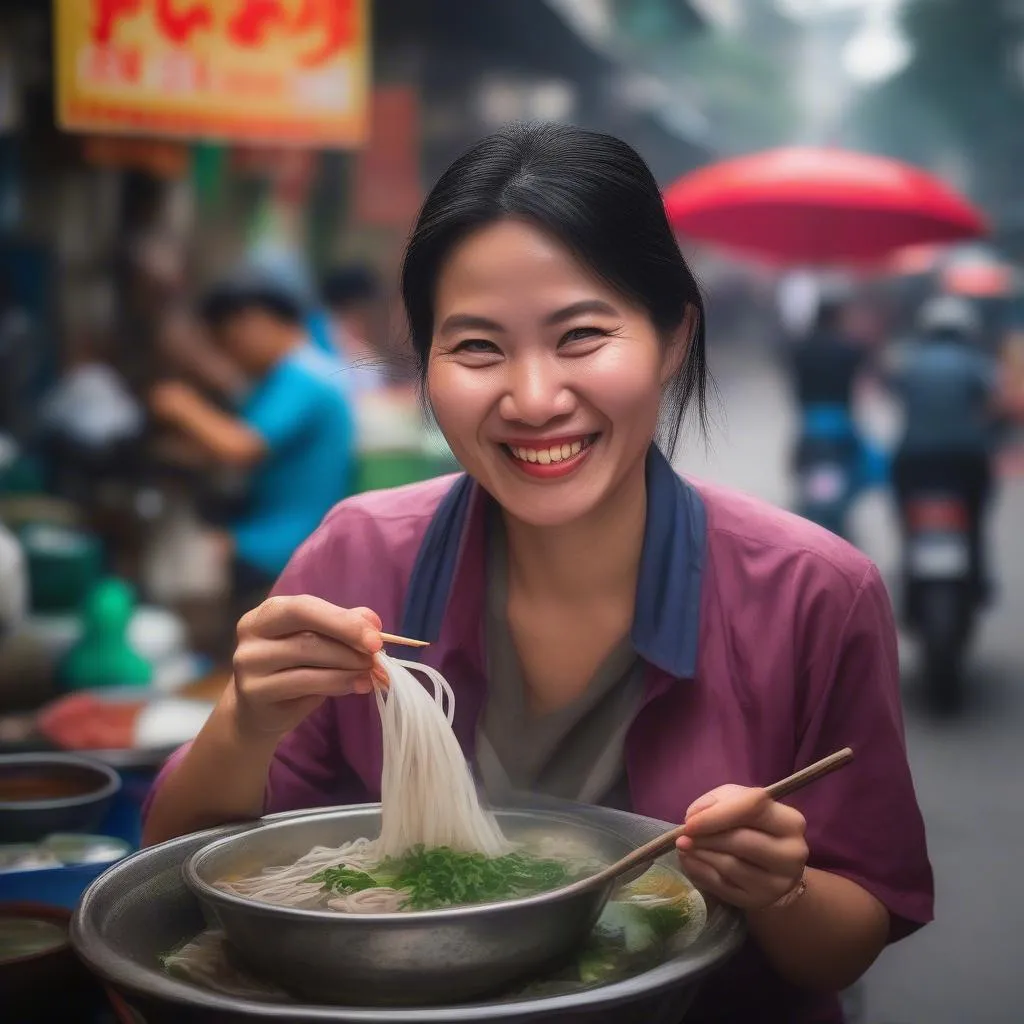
39	972
45	793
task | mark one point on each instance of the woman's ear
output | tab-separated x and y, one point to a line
679	343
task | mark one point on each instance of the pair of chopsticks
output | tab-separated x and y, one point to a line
391	638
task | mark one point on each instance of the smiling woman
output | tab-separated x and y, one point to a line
613	632
536	352
547	192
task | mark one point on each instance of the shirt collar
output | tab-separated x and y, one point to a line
667	618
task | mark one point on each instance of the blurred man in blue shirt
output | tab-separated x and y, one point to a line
293	432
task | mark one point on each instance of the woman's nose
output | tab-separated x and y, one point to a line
537	393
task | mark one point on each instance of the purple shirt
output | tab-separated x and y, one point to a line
769	643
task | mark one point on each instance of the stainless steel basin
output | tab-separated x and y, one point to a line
140	909
404	959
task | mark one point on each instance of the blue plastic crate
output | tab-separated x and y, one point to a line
63	886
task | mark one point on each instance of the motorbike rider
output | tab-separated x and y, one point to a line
826	365
827	361
950	391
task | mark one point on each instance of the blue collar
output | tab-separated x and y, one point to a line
666	623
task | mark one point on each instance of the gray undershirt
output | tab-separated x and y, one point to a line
574	753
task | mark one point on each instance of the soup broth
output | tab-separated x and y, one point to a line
647	922
351	879
26	936
29	787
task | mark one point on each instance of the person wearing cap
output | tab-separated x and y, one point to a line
951	396
292	430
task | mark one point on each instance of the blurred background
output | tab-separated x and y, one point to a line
203	205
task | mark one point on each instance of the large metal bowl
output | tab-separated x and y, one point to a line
140	909
406	959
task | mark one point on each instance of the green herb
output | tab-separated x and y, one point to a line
596	962
665	921
443	877
343	881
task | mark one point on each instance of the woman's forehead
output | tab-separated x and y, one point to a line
513	262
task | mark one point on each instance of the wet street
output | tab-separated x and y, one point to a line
965	968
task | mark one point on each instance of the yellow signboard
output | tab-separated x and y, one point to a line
282	72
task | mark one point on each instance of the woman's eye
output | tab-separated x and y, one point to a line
477	346
582	334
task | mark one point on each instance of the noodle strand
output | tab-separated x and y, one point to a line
428	798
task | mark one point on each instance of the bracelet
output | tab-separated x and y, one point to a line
789	898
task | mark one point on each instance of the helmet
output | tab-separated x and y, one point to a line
949	314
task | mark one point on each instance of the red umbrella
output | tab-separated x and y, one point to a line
811	206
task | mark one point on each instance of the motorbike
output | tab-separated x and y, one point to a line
830	467
825	487
942	597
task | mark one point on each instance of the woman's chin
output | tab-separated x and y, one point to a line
548	508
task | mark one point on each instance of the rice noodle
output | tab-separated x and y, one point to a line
289	885
381	900
428	797
205	961
427	791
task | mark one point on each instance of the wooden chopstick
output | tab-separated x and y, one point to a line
813	771
391	638
665	842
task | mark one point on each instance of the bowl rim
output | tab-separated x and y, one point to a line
110	786
33	911
207	892
88	943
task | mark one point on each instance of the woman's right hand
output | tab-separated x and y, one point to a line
293	653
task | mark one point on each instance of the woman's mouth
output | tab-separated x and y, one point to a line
550	458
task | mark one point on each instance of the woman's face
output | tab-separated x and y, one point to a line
544	380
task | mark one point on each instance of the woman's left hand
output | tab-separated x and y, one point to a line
743	847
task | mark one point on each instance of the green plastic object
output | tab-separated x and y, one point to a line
378	470
63	567
104	657
24	475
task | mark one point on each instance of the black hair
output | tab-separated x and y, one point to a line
344	286
597	196
250	292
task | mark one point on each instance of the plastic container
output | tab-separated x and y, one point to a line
63	564
62	885
161	637
104	656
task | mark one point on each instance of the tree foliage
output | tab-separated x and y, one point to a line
961	94
742	88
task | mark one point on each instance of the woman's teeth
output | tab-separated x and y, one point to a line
545	456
